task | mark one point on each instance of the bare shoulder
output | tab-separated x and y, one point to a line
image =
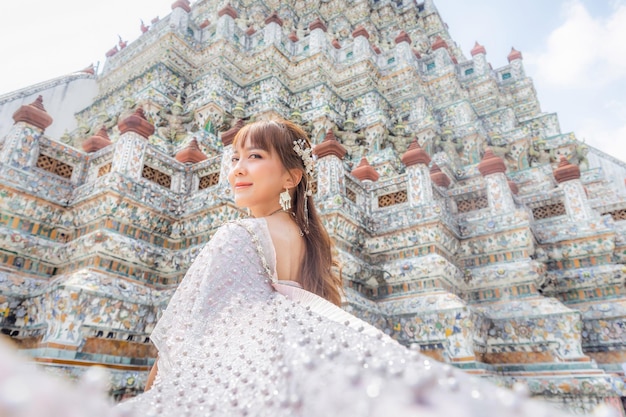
282	229
288	246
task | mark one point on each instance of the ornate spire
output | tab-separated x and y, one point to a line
183	4
229	11
273	18
137	123
229	135
491	164
437	176
318	24
98	141
478	49
566	171
514	54
415	155
360	31
34	114
330	146
403	37
439	43
365	172
191	154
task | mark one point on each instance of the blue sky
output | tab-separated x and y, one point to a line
575	50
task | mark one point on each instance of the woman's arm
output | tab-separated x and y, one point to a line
152	375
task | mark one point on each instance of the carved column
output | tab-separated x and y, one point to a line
567	175
330	170
317	37
226	23
20	147
272	32
131	147
420	189
179	19
362	48
499	194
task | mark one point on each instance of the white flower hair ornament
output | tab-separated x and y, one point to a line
304	152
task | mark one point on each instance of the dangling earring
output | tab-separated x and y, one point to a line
285	200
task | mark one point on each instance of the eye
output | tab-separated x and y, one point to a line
234	159
255	156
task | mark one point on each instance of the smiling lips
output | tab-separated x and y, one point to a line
242	184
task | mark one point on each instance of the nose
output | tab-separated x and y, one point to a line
238	168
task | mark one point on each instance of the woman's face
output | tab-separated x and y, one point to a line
257	177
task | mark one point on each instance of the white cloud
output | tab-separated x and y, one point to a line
607	129
584	51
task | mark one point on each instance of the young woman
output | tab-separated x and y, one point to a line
255	329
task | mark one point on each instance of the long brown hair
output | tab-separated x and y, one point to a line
316	274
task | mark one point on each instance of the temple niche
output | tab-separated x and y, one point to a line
466	223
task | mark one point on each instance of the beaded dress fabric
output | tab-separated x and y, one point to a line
236	342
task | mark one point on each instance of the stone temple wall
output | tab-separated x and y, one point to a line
465	222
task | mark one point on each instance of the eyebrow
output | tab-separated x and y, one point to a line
250	148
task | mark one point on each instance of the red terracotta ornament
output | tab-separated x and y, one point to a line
191	154
514	54
491	164
273	18
111	52
318	24
403	37
415	155
137	123
98	141
293	37
228	10
360	31
205	23
183	4
365	172
438	177
330	146
566	171
513	187
229	135
438	44
33	114
478	49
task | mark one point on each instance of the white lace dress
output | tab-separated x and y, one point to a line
236	342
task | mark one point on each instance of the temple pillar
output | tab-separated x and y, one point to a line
576	202
517	66
441	53
226	23
330	170
479	55
179	19
499	194
361	48
317	36
131	146
272	32
20	147
403	53
420	189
